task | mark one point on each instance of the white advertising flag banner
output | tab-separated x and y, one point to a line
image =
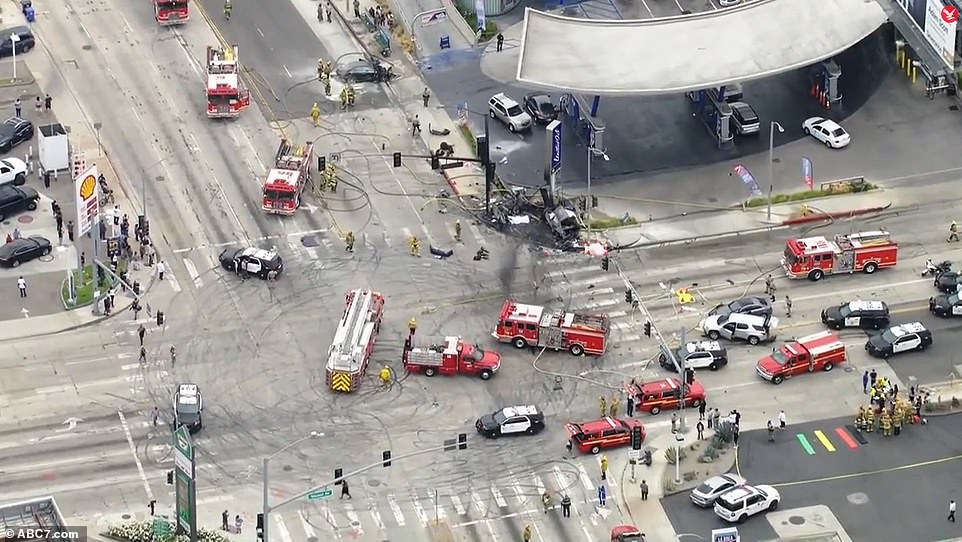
87	194
939	33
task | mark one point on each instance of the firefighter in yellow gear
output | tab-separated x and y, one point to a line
385	375
860	419
613	407
227	9
320	69
457	231
349	242
604	406
526	534
953	232
604	467
869	420
326	80
412	325
885	423
343	97
315	114
351	96
415	246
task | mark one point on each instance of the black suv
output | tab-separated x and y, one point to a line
946	305
948	282
860	314
697	355
14	199
24	44
252	261
898	339
13	132
516	420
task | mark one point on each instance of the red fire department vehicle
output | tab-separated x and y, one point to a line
226	96
815	257
170	12
821	351
451	356
354	338
532	325
665	393
286	180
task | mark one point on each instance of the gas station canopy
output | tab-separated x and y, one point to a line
689	52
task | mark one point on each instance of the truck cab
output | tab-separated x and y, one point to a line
664	394
451	356
818	352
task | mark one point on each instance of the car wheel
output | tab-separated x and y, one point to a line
491	114
19	179
529	430
742	518
45	251
15	263
870	268
655	410
595	449
430	371
772	507
828	367
713	366
753	340
32	206
816	275
577	350
511	128
662	359
778	379
492	434
828	144
485	375
713	335
519	342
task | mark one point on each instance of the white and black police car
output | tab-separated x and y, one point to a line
860	314
516	420
898	339
252	261
696	355
945	305
188	407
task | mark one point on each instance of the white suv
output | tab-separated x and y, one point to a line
740	327
738	504
508	111
13	170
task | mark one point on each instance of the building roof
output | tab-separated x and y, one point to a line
39	512
677	54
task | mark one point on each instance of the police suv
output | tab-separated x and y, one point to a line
946	305
188	407
860	314
739	504
898	339
696	355
516	420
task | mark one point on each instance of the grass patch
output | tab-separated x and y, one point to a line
490	27
611	222
836	190
469	136
84	282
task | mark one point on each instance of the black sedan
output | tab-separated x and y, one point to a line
540	107
13	132
946	305
947	283
365	70
759	306
23	250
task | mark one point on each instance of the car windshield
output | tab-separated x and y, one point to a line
954	298
546	107
500	418
838	132
845	310
732	506
888	336
780	357
722	319
188	408
514	111
789	257
705	489
7	129
475	355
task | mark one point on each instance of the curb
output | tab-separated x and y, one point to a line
833	216
19	83
712	237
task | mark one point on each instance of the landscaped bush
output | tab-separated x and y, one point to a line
142	531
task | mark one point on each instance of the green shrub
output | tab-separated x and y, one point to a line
724	434
670	454
846	188
465	130
490	27
611	222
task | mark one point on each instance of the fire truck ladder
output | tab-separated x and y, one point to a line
344	364
222	61
290	157
594	321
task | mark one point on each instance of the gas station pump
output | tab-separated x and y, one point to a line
715	114
578	112
826	82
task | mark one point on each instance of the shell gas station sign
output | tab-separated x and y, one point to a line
87	192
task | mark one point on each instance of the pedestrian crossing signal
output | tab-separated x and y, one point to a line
260	526
386	458
170	477
629	295
321	163
338	473
636	437
604	265
647	328
397	159
462	441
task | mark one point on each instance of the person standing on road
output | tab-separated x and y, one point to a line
952	510
630	406
872	377
161	269
771	431
568	447
701	411
143	355
526	534
604	467
865	382
224	518
17	105
644	490
155	415
345	490
603	495
500	41
38	105
425	96
782	420
566	506
614	407
47	103
238	523
22	286
788	307
415	126
603	403
141	332
701	430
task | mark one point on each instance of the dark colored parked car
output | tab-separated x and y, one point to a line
25	43
13	132
758	306
23	250
14	199
540	107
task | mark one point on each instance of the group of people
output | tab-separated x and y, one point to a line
887	412
380	17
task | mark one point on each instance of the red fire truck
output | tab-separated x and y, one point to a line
451	356
532	325
354	338
821	351
286	180
171	12
815	257
226	96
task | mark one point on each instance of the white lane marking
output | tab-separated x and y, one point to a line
538	484
332	521
499	498
282	528
436	507
172	280
479	503
458	507
254	240
476	232
288	71
355	521
306	525
192	271
599	304
633	364
518	491
376	516
133	452
616	314
586	480
620	325
214	499
396	509
419	510
593	291
630	338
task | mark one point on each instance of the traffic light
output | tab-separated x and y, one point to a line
321	163
160	318
629	295
170	477
397	159
337	476
689	375
435	162
386	458
636	437
462	441
647	328
604	264
260	526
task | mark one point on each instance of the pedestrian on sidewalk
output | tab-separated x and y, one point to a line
60	234
568	447
788	307
238	523
152	505
141	332
17	105
328	11
644	490
70	232
345	490
603	495
701	430
143	355
865	382
701	411
224	519
716	417
415	126
22	286
782	420
425	96
47	103
38	104
952	511
161	269
566	506
357	9
630	407
500	41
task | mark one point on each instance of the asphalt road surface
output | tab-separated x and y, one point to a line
662	126
909	476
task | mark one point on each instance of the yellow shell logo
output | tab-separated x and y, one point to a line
87	187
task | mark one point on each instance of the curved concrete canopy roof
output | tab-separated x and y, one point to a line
689	52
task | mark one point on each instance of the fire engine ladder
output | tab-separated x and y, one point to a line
222	61
345	365
290	157
598	321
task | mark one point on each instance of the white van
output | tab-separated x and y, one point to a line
740	327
